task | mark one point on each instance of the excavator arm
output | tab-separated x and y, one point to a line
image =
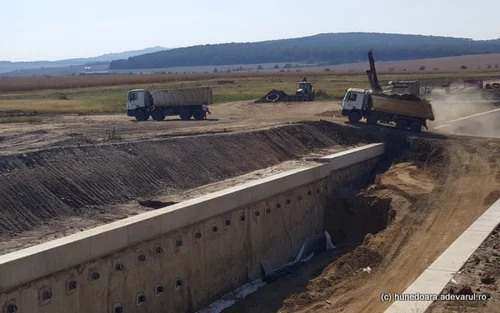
372	73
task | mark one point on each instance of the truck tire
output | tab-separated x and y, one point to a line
354	117
415	127
372	119
141	115
401	124
198	114
185	114
157	115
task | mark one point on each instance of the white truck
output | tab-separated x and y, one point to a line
187	103
407	111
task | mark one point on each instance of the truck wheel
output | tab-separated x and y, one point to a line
141	115
157	115
372	119
415	127
185	115
401	124
198	114
354	117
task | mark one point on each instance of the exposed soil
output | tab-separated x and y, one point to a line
56	191
67	130
417	208
480	275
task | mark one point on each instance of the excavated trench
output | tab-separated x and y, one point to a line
356	216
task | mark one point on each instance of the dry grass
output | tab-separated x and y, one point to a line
19	84
107	94
13	84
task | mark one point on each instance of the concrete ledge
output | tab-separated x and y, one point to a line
45	259
439	273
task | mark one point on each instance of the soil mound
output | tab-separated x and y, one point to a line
274	96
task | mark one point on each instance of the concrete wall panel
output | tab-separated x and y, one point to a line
183	257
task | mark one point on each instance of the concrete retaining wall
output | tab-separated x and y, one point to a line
180	258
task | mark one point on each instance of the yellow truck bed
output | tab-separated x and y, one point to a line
419	109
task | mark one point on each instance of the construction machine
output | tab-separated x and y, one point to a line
305	91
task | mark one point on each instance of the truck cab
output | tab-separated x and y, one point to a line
355	100
138	99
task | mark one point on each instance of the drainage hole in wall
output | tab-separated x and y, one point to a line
72	285
159	289
228	222
215	229
268	210
141	298
197	235
47	295
243	218
118	308
257	213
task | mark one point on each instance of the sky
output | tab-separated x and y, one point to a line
60	29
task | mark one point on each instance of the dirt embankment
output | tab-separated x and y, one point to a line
87	182
395	227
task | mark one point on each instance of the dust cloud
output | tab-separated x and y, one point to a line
449	107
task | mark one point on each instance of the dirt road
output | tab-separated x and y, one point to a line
68	130
227	117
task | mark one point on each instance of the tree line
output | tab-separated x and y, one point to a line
331	49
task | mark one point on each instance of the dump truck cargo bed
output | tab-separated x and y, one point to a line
192	96
418	109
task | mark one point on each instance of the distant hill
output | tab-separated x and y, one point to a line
330	49
7	66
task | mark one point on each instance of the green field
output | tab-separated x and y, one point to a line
111	99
